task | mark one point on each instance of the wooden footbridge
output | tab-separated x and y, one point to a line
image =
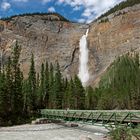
94	116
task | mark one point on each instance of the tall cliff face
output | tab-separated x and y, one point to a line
111	37
47	38
52	39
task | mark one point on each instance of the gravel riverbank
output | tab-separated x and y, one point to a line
52	132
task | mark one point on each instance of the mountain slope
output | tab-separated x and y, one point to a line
58	40
113	36
49	39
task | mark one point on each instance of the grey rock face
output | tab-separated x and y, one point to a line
56	40
47	40
110	39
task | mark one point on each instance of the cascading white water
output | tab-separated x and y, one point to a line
83	58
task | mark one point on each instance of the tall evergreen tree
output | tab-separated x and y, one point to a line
79	94
17	97
46	81
52	97
42	87
4	107
38	92
91	99
32	85
9	90
26	99
58	87
69	97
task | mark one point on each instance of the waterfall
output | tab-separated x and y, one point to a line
83	58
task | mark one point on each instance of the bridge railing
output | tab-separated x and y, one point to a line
94	116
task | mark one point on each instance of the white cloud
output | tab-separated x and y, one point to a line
76	8
5	5
60	2
92	8
46	1
20	0
87	12
82	20
51	9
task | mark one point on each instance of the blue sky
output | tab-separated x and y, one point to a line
75	10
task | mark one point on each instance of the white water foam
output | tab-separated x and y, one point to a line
83	58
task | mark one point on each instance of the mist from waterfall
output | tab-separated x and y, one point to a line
83	58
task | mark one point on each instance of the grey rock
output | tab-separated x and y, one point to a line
55	40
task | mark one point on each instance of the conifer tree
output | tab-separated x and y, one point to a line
4	107
12	96
2	94
91	99
69	97
9	90
46	78
26	99
32	85
38	94
58	87
79	94
42	86
17	97
52	97
64	89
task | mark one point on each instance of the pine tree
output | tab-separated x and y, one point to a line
79	94
91	99
42	86
46	95
38	92
32	85
66	97
3	99
9	90
69	97
65	84
17	97
11	85
58	87
26	101
52	97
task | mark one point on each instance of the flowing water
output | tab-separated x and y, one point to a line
83	58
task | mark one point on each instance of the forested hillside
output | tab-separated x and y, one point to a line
120	86
119	89
48	89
